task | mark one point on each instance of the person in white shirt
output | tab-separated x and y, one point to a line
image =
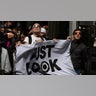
35	37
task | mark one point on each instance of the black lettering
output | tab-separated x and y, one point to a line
53	65
44	67
34	54
35	67
27	68
37	53
49	49
43	53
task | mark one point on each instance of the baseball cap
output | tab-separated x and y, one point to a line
43	30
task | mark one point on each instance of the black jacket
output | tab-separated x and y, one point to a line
78	53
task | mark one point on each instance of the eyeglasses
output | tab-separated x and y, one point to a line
36	25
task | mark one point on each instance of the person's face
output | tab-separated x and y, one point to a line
10	35
36	30
2	29
77	34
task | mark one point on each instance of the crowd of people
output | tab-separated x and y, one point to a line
12	37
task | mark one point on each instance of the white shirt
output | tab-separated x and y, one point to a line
34	38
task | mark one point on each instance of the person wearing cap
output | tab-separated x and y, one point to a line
34	37
78	52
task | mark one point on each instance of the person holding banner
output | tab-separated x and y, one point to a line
35	37
78	52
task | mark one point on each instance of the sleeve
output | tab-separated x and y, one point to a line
61	46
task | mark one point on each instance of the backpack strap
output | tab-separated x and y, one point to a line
30	39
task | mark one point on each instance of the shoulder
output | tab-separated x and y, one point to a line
26	39
3	49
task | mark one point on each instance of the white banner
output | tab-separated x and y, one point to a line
45	58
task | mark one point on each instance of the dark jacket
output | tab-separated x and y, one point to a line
78	53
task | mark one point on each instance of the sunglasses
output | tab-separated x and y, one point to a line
77	33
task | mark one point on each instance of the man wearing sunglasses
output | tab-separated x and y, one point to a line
78	52
34	37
